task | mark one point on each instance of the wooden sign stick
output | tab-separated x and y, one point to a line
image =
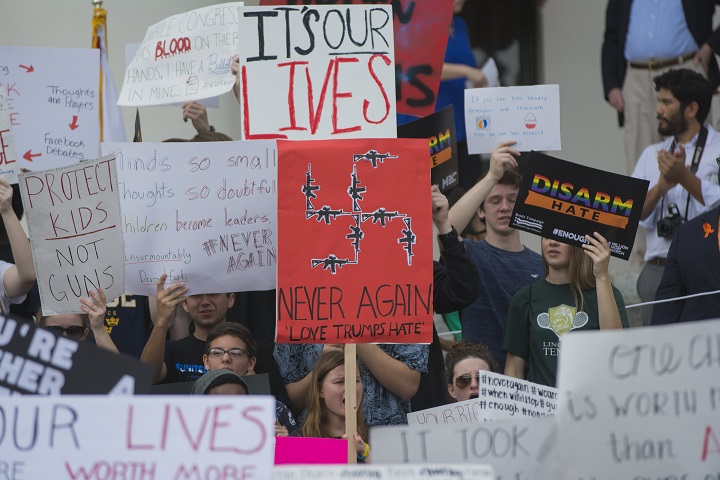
350	400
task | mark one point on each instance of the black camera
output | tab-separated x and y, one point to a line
666	226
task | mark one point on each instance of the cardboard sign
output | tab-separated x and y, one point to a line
418	69
203	213
566	201
439	129
184	57
53	100
310	451
212	436
528	115
36	361
317	72
440	471
499	397
73	218
510	447
8	156
357	264
647	404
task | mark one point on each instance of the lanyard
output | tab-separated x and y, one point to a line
697	154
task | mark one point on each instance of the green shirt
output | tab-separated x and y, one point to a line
539	315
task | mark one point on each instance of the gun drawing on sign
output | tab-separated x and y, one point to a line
373	157
324	214
356	234
354	190
331	262
380	215
408	239
309	189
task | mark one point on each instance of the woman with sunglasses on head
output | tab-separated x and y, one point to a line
576	294
462	369
78	326
326	403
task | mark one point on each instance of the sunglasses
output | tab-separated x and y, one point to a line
235	353
75	332
464	381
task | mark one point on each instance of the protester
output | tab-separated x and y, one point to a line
462	369
78	326
220	382
576	293
326	403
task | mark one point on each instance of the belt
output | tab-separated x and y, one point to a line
660	262
657	64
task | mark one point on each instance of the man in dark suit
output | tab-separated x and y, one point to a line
693	266
644	39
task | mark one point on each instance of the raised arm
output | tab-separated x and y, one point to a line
501	158
18	279
599	251
167	301
95	309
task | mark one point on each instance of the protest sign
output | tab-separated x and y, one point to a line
203	213
528	115
73	219
8	155
184	57
439	129
36	361
646	406
510	447
499	397
317	72
53	100
439	471
357	264
310	451
91	437
131	50
417	70
566	201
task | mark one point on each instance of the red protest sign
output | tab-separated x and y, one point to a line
421	34
354	242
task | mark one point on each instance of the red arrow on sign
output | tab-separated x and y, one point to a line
74	123
28	69
28	155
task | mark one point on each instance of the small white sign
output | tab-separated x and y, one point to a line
528	115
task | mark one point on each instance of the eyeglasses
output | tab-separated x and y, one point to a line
464	381
75	332
235	353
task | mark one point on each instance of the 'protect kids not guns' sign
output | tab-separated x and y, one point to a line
566	201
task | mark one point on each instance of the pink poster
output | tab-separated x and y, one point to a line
310	451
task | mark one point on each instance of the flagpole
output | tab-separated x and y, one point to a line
99	21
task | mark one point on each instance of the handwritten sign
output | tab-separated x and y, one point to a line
499	397
646	406
184	57
440	471
203	213
566	201
418	70
310	451
439	129
73	217
36	361
53	103
323	72
356	267
510	447
528	115
138	437
8	156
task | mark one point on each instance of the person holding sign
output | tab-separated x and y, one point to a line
78	326
18	279
462	369
575	294
682	170
326	403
